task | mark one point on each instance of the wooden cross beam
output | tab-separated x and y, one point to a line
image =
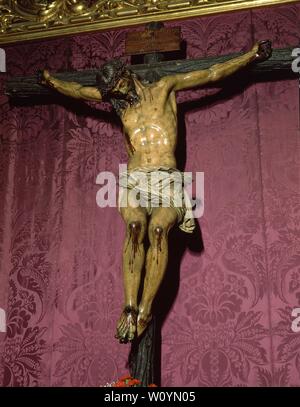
27	86
152	42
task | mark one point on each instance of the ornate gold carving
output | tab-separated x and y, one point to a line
22	20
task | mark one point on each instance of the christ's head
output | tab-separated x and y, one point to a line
116	84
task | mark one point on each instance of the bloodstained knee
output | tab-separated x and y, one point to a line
158	232
134	237
135	233
135	229
156	235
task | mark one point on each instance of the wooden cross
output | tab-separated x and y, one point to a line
152	42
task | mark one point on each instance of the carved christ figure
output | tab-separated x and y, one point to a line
149	115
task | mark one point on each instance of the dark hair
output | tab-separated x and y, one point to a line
107	78
109	75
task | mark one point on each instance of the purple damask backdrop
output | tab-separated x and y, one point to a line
61	286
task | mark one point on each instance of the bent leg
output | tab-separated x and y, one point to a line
133	261
161	222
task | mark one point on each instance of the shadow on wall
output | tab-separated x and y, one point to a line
179	242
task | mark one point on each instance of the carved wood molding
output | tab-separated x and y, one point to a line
23	20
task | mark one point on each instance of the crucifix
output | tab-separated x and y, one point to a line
144	97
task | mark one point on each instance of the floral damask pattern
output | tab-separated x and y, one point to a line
24	345
60	254
217	298
289	345
22	357
215	356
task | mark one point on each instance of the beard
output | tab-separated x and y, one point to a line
120	101
132	97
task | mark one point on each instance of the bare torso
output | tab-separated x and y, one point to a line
151	127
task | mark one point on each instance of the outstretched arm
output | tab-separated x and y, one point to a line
261	51
72	89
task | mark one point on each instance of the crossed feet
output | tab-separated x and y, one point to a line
132	322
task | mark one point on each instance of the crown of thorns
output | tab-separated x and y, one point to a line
110	74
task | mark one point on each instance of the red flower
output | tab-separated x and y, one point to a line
125	378
129	381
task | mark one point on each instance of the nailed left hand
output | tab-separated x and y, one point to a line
264	50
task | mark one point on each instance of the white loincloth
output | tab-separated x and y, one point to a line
157	187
